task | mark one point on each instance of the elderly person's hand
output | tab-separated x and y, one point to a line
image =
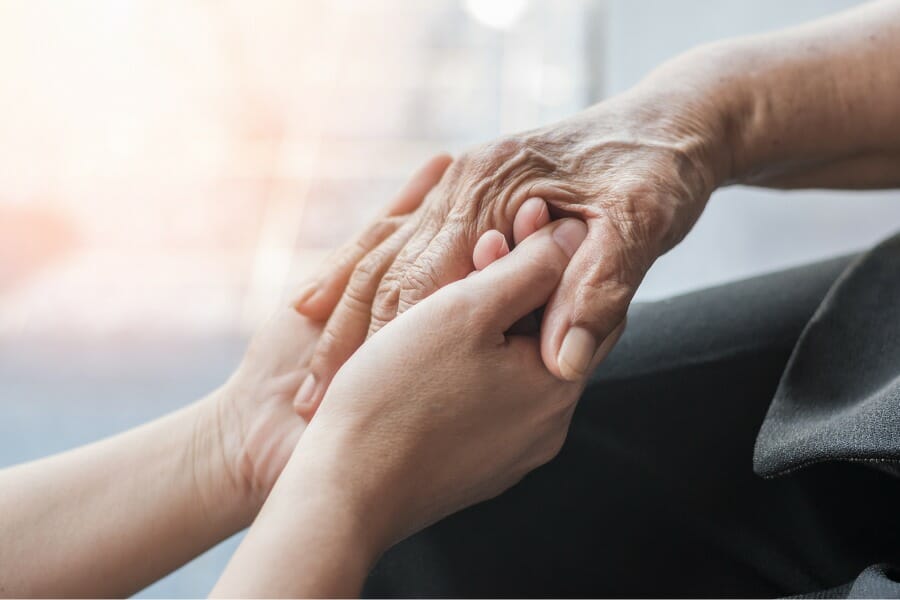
259	424
637	175
813	106
442	409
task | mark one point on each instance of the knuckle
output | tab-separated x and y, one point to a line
603	298
497	177
420	280
328	348
501	149
625	218
642	218
369	272
384	306
361	288
371	266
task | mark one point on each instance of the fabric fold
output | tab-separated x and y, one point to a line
839	397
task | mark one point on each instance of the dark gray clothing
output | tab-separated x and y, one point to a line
654	493
839	398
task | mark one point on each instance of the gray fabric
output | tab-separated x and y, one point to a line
839	397
878	581
653	494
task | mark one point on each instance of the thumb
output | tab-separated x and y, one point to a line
586	314
517	284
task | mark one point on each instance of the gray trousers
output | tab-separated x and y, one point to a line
655	492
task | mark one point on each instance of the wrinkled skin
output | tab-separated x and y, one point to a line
484	386
258	424
639	179
390	451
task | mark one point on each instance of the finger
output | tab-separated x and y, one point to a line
446	259
532	215
412	194
489	247
447	255
590	304
318	299
520	283
347	327
386	303
436	256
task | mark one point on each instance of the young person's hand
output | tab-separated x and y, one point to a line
259	425
338	344
441	409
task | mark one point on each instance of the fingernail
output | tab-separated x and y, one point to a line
305	295
543	216
576	353
569	235
533	201
304	397
503	250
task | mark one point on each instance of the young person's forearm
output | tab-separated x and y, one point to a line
811	106
306	542
110	518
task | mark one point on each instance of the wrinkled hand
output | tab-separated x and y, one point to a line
639	179
444	408
258	422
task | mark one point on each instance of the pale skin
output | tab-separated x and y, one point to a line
811	106
112	517
387	456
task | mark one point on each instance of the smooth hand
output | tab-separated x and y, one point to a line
442	409
260	426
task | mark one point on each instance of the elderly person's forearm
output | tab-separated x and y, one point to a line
811	106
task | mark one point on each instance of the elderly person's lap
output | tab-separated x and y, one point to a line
654	493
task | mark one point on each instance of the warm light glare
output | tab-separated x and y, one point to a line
497	14
174	166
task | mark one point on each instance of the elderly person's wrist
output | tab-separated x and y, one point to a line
703	100
740	100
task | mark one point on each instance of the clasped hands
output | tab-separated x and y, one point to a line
445	407
450	403
638	194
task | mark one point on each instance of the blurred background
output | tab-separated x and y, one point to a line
169	169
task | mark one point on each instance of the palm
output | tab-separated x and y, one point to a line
264	388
